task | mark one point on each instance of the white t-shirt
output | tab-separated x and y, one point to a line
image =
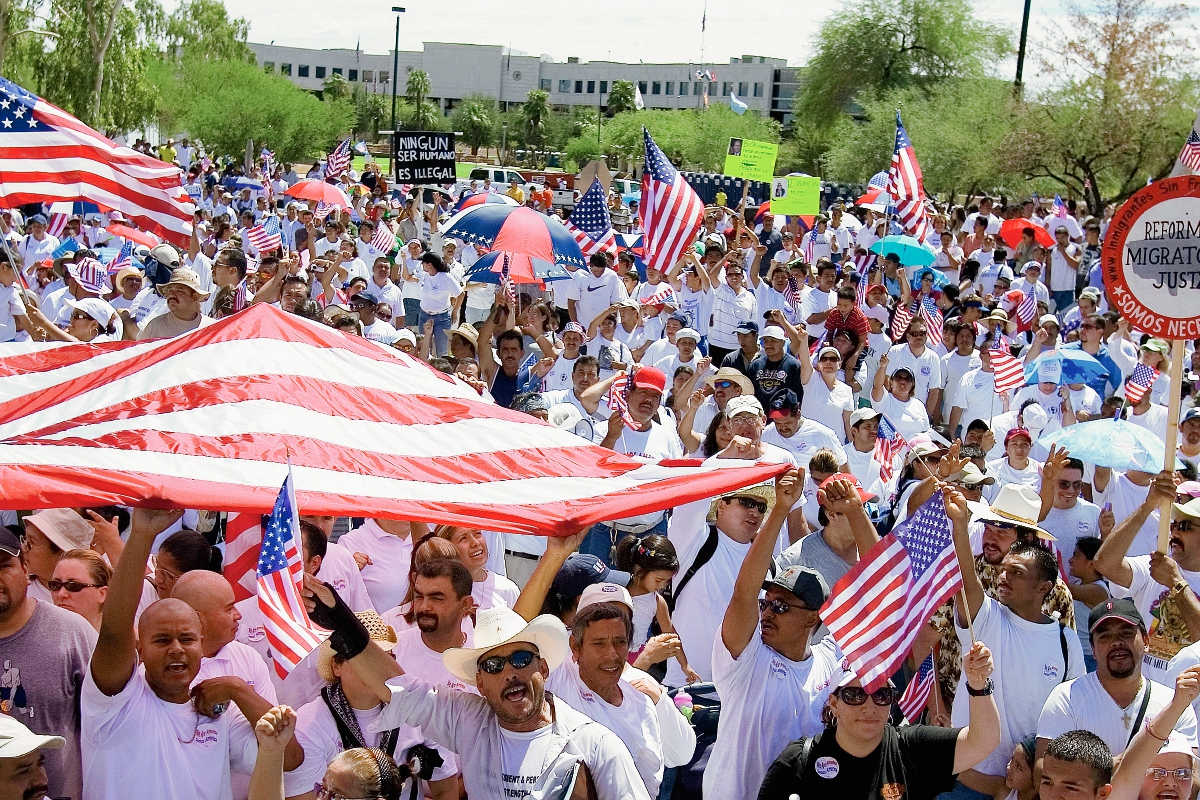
559	376
495	590
522	755
926	369
810	437
1006	473
910	416
418	660
340	570
635	720
386	577
1069	525
1154	420
1028	665
977	397
11	306
1126	496
826	406
437	291
954	367
592	294
697	307
1062	274
766	702
1083	704
1164	635
816	302
382	332
650	445
137	745
1186	658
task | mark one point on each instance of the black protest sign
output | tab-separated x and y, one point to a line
425	157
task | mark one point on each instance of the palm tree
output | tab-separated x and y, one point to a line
425	115
534	113
621	97
335	88
475	116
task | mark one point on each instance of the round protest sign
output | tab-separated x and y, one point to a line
1151	259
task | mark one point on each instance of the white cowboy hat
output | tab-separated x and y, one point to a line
1013	505
498	626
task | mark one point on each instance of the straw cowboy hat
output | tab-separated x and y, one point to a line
759	491
498	626
381	633
1014	505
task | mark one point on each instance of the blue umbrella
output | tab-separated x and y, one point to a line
516	229
939	278
244	183
1076	367
1113	443
481	271
910	250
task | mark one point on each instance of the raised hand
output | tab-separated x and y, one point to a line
275	729
956	506
788	488
978	665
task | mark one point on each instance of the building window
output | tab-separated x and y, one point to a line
337	70
578	87
697	88
641	87
603	87
285	69
302	71
320	72
656	88
544	84
758	90
726	88
268	66
683	88
670	87
564	86
743	89
591	87
353	75
368	75
384	75
712	88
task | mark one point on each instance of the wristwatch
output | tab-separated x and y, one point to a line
1179	587
988	688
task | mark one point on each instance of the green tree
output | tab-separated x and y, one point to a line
621	98
335	87
535	112
880	45
425	116
203	29
371	109
1120	103
17	33
475	117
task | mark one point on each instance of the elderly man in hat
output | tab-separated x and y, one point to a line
184	295
519	736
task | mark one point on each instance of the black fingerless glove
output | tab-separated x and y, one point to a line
350	636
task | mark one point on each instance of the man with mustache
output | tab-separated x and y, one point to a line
22	763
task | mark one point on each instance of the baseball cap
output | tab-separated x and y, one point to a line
580	571
1191	413
1049	319
1121	608
688	333
364	297
784	404
604	593
1190	488
680	318
405	335
743	404
970	475
9	542
16	740
774	332
863	494
1092	292
862	415
877	313
575	327
1156	346
828	349
807	584
1017	432
747	327
1032	265
649	378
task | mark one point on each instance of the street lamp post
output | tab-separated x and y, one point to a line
503	142
395	80
1017	84
599	118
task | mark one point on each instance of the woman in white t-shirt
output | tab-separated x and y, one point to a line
897	403
488	589
440	298
826	399
1017	468
410	281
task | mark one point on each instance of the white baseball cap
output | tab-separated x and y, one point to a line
774	332
16	740
604	593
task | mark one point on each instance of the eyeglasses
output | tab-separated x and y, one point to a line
1158	773
1076	485
71	586
519	659
384	317
723	384
1183	526
321	793
1090	327
778	606
918	334
750	502
856	696
834	359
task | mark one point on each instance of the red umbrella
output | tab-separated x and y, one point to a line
1012	229
320	191
134	235
870	196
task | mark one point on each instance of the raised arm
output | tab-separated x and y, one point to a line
982	734
114	659
350	638
274	731
1056	461
1131	771
741	616
483	350
960	517
1110	558
529	602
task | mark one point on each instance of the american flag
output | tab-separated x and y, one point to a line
916	694
280	571
933	319
205	163
863	263
791	293
888	447
1007	371
323	209
907	187
507	284
671	212
876	610
1060	209
339	160
590	223
123	259
49	155
1189	156
902	319
860	296
58	224
243	538
618	396
664	296
241	297
810	246
1026	310
266	235
1139	382
383	239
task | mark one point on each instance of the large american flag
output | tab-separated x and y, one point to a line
48	155
339	160
1189	156
1007	372
876	610
791	293
590	224
907	187
243	538
204	420
671	211
1140	381
266	235
888	447
1026	310
280	573
916	694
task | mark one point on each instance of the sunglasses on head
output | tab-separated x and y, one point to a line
520	659
856	695
750	502
71	586
777	606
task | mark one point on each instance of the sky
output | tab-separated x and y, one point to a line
654	31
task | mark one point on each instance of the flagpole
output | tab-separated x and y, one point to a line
936	689
1164	514
962	589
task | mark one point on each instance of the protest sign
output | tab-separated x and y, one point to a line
796	194
425	157
752	160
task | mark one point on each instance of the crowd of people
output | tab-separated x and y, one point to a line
678	653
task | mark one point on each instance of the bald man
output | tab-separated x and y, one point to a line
142	733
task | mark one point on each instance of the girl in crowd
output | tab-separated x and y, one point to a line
488	589
651	562
80	584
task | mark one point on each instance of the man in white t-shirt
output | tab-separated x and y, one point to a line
773	684
1070	518
593	290
799	435
1033	651
957	363
861	460
1117	700
180	753
1162	587
1064	263
383	550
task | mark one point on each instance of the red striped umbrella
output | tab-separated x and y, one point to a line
209	419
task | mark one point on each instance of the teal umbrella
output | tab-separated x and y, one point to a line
911	251
1113	443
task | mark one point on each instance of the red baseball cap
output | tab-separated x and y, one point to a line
863	494
650	378
1015	432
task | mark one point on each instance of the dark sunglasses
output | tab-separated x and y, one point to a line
856	696
1076	485
70	586
384	317
519	659
918	333
1183	526
750	502
778	606
723	384
834	359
